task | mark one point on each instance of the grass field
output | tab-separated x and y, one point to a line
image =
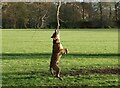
92	60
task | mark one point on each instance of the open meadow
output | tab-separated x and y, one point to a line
92	61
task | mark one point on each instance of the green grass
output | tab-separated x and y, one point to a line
92	57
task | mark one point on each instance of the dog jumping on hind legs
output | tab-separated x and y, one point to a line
57	51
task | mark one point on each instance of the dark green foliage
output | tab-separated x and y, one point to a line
72	15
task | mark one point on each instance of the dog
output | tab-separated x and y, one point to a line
57	51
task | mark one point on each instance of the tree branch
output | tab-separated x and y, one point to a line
43	19
58	13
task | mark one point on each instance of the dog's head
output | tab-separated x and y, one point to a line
55	35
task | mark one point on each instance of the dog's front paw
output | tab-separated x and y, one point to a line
66	51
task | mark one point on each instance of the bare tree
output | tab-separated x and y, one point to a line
43	20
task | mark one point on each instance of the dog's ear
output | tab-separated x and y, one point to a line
51	36
54	34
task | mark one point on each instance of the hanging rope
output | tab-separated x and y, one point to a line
58	18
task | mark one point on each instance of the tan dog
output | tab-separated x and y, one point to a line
57	52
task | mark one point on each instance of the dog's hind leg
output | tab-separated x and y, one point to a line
57	70
51	68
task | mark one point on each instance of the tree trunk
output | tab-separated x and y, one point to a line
110	13
14	24
83	10
25	25
116	11
43	20
101	14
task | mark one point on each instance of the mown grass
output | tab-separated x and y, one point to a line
26	57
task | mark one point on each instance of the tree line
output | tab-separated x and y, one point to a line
72	15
